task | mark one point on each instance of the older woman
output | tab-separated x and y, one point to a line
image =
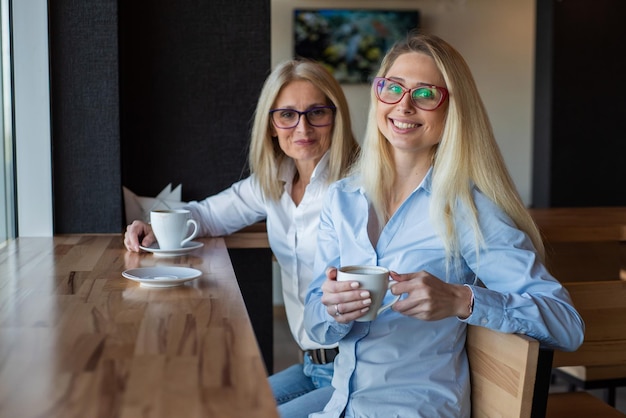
430	199
301	142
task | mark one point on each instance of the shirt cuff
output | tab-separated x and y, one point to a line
471	306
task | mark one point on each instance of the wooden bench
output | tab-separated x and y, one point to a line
602	304
509	374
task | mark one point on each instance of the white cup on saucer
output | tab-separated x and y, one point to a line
171	228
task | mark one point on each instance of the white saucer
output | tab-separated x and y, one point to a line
187	248
144	276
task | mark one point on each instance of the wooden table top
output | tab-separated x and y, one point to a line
79	340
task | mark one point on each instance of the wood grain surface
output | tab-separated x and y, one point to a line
602	305
503	368
584	244
583	224
77	339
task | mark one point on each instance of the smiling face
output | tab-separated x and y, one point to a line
406	127
304	143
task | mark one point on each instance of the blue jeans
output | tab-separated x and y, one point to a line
302	388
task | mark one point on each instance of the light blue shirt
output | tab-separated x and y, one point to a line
400	366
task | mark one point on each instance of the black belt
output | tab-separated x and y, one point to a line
322	355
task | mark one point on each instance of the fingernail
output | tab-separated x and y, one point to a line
354	285
365	309
367	301
365	294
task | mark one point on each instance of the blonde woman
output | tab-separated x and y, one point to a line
301	142
431	200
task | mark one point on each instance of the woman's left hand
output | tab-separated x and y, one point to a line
429	298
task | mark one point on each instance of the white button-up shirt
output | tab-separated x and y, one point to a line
291	230
400	366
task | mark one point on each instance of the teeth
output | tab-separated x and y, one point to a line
403	125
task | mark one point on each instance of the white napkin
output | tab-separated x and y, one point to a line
139	207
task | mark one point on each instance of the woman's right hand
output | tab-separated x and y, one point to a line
138	233
344	300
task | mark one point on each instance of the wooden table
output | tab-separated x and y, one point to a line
79	340
586	243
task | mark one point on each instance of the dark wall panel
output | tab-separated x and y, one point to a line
589	141
580	108
85	116
145	93
542	130
190	77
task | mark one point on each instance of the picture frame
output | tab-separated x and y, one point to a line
350	42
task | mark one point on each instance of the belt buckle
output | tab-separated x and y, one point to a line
315	356
320	356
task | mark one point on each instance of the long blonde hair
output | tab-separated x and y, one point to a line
266	155
467	154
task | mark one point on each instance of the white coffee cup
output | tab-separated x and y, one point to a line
171	228
374	279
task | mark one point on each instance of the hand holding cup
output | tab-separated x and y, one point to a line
375	280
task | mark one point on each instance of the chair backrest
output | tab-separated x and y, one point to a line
602	305
583	244
503	368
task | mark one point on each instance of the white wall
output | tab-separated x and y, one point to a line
496	37
32	118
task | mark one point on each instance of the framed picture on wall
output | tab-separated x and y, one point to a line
350	42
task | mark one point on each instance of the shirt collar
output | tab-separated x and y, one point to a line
427	182
353	184
287	170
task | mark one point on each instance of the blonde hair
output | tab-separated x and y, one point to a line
467	154
266	155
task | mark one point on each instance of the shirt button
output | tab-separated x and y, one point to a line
484	321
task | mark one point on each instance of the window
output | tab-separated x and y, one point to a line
7	178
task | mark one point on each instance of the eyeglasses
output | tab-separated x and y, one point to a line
317	116
425	96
